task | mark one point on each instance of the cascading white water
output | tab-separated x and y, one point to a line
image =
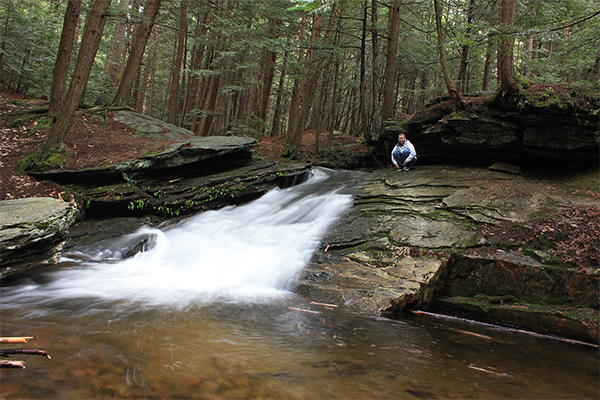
245	253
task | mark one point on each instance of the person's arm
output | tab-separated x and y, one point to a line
393	159
413	152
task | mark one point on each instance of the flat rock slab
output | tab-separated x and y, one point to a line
391	249
145	125
32	231
186	151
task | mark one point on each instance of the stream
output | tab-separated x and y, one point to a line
207	311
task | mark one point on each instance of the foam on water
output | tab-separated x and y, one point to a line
245	253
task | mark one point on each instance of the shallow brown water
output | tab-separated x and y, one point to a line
279	349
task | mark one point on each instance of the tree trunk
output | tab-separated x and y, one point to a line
528	55
114	63
375	92
269	59
9	9
92	35
443	59
174	100
389	95
276	126
194	82
464	53
486	67
293	113
146	96
314	63
506	50
63	59
362	97
333	112
140	39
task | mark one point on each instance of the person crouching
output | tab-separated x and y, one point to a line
404	154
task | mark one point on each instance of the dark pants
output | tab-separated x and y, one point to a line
401	156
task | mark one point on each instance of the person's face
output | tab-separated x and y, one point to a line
401	139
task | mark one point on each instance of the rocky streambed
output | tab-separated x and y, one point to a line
415	240
458	240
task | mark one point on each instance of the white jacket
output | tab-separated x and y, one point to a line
406	146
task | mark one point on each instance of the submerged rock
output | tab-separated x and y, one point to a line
32	232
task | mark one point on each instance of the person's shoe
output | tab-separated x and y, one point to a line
405	168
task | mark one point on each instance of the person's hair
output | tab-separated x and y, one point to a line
403	134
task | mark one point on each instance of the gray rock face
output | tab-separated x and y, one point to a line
32	232
402	244
168	196
533	138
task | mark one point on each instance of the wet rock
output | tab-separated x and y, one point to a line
174	197
511	274
32	232
412	237
570	322
504	167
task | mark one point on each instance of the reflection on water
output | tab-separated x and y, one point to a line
206	313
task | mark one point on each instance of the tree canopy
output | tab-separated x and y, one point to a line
278	67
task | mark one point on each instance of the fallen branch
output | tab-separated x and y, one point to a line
23	339
303	310
12	364
7	352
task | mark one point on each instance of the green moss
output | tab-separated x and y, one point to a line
587	181
42	225
43	160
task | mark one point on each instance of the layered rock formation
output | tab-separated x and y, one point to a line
412	240
542	137
32	232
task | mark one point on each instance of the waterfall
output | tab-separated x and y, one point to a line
244	253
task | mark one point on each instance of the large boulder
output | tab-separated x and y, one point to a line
32	232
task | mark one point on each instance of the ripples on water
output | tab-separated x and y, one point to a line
206	312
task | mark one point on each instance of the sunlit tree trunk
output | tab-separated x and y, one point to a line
485	82
147	89
276	125
528	55
63	59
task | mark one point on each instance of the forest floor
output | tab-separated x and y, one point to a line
92	142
